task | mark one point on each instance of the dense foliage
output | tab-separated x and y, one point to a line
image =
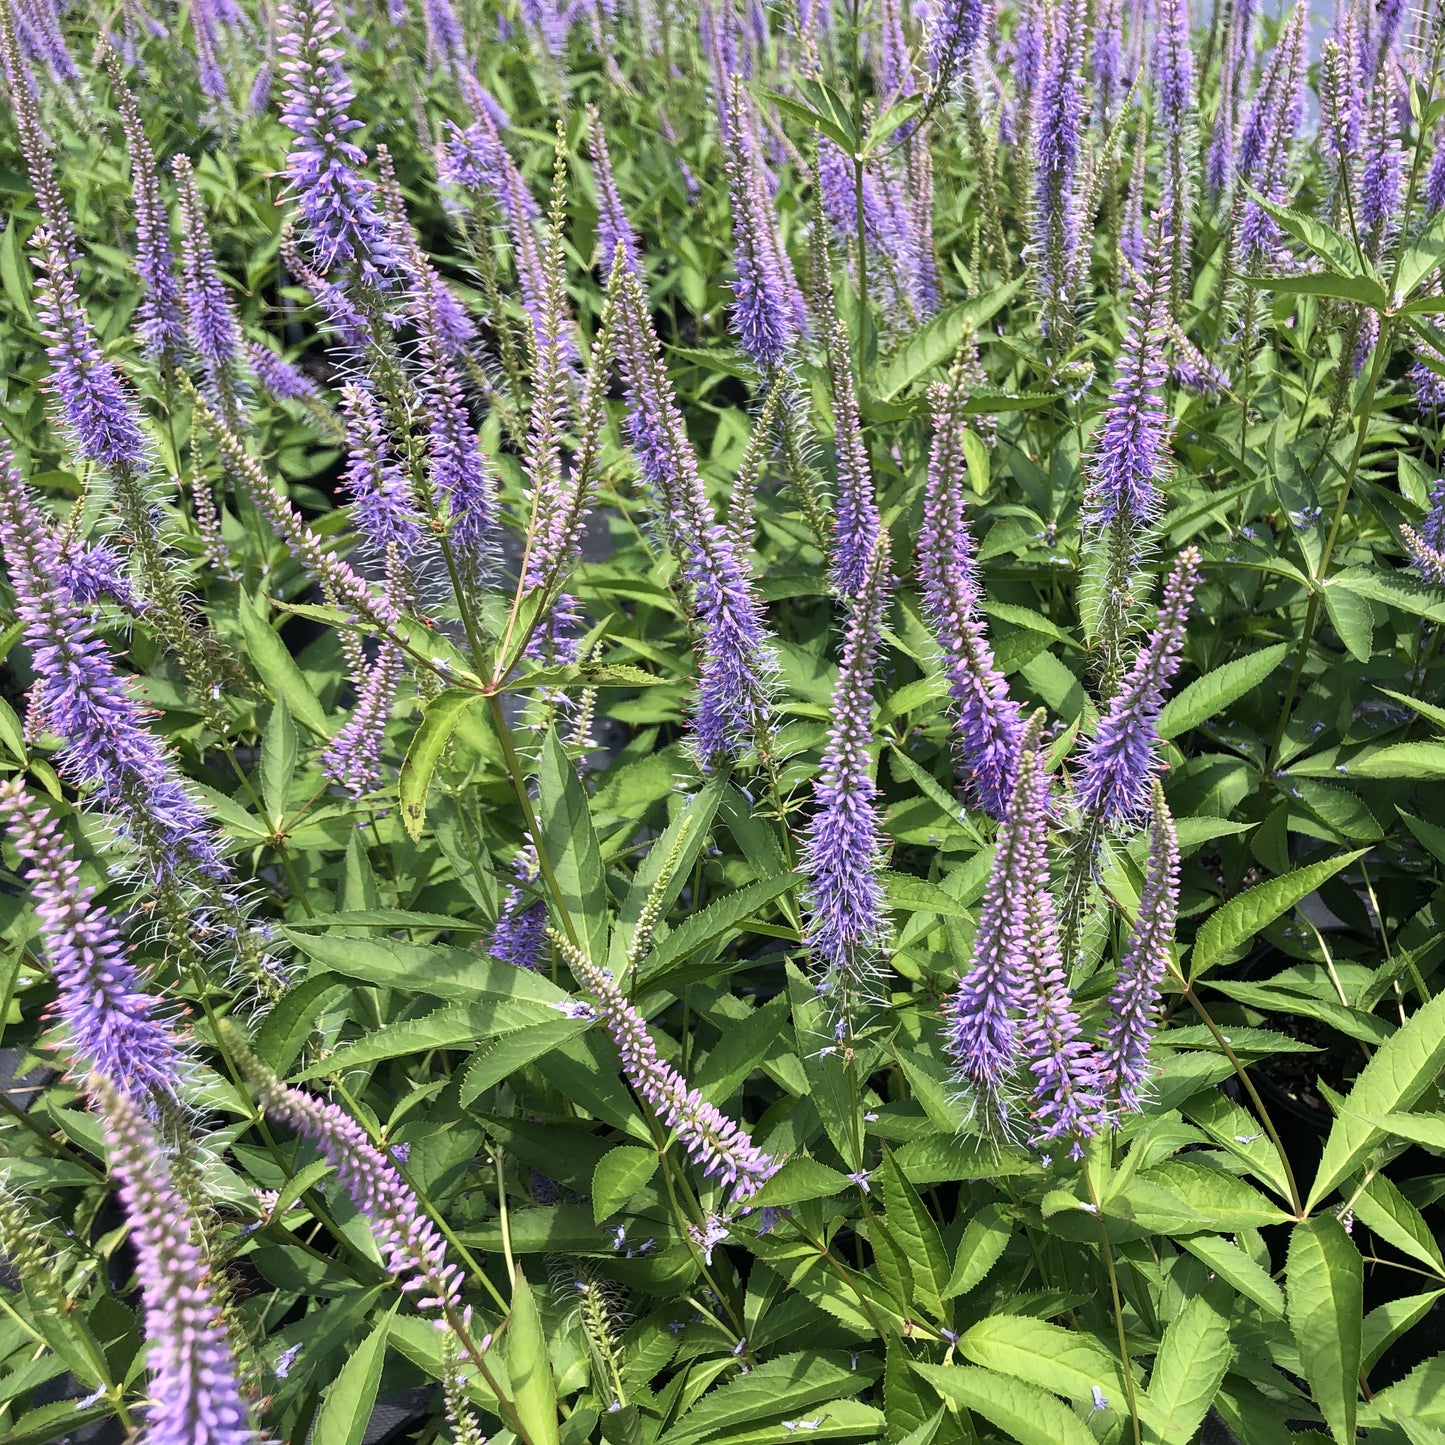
727	722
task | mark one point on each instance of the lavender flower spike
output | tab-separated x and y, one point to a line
520	937
110	1021
337	204
1065	1098
1121	759
1130	448
161	328
734	702
721	1147
845	907
96	408
194	1380
352	759
981	1034
1427	546
79	695
410	1243
856	529
1057	132
1134	999
987	722
211	325
955	29
613	227
768	314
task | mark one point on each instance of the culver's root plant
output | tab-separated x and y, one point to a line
722	722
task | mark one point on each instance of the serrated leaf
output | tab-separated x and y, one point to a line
347	1405
781	1388
1209	695
1193	1358
1385	1325
1237	921
936	342
1072	1364
278	669
985	1238
619	1174
501	1057
1352	619
534	1393
279	747
1395	589
570	842
438	723
1381	1208
1236	1268
800	1179
1029	1415
1324	1291
913	1227
1419	762
716	921
1402	1069
1323	283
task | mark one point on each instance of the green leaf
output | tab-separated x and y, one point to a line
570	841
1401	1070
801	1178
347	1405
1062	1360
1209	695
776	1389
1193	1358
1419	1397
1225	1201
1394	589
1234	924
935	343
620	1173
278	761
499	1058
534	1395
1425	1129
1385	1325
1351	617
1382	1209
1236	1268
913	1227
1322	283
719	919
985	1238
285	1029
1324	1289
1419	762
438	722
455	1027
11	733
1029	1415
279	670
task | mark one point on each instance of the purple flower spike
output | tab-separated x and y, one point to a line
382	505
1109	56
1134	999
279	376
981	1034
857	524
159	320
1121	759
988	724
352	759
211	325
1382	177
410	1243
847	919
1065	1102
722	1148
194	1380
95	406
337	205
109	1018
1427	546
733	709
1131	447
613	227
955	29
79	695
1057	130
1173	65
520	937
768	316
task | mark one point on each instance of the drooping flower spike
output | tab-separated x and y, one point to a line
410	1243
111	1023
857	521
846	910
720	1146
988	724
1120	761
195	1384
1134	999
